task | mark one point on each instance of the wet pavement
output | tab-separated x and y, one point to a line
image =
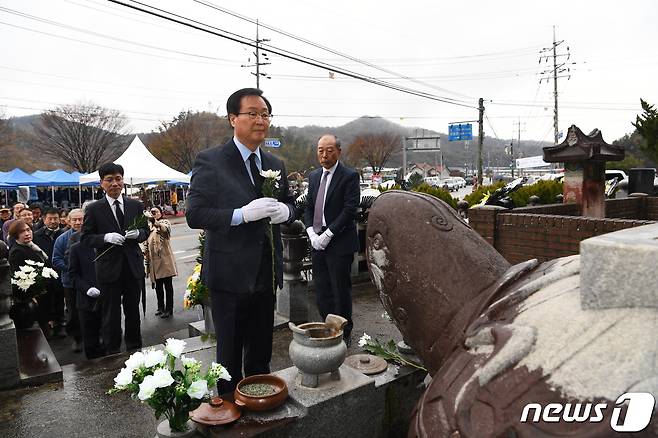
80	408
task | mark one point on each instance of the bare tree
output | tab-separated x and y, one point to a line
373	150
82	136
6	132
188	133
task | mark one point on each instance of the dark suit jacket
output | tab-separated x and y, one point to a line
44	242
19	253
340	204
100	220
220	183
82	274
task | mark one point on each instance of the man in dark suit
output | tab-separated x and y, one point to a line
45	238
120	270
225	200
333	197
82	274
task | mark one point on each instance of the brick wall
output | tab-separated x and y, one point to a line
520	237
549	231
651	206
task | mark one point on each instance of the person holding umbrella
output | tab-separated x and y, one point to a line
160	262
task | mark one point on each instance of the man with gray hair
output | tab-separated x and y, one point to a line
61	264
333	197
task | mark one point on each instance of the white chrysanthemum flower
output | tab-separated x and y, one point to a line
198	389
174	346
154	357
147	388
188	361
273	174
135	360
26	268
39	264
162	378
30	262
124	377
219	371
49	273
364	340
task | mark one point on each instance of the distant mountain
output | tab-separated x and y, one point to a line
302	141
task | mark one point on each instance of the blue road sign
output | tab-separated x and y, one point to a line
460	131
272	143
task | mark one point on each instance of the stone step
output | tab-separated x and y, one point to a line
36	361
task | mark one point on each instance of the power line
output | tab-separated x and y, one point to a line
322	47
97	34
281	52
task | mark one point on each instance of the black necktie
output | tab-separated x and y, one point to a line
117	209
255	174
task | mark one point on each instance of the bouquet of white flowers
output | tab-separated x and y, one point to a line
151	376
30	280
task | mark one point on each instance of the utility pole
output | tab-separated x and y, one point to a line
558	68
257	54
480	138
518	145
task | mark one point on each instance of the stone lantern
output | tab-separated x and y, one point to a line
584	157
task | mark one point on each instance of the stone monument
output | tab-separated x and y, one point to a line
524	350
9	374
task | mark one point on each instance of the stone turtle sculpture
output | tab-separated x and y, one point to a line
497	338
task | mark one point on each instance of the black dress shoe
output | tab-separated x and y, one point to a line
159	312
165	315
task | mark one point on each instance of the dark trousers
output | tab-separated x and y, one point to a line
333	286
244	322
90	327
124	292
72	317
162	284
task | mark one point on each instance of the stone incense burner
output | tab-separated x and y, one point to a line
318	348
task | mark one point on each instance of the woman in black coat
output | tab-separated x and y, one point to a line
22	250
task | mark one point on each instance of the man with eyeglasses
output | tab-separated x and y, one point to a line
226	200
120	270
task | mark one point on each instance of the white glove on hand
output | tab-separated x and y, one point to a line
259	209
282	213
314	238
132	234
324	239
93	292
114	238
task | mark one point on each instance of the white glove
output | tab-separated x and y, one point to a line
324	239
93	292
314	238
132	234
259	209
114	238
282	213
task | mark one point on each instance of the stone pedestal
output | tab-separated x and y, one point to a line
292	302
618	269
9	375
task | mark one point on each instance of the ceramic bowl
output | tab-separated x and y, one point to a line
264	403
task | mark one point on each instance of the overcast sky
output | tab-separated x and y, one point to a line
66	51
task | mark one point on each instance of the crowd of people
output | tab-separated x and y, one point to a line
239	196
98	254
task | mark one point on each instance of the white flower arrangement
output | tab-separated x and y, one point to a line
152	377
30	280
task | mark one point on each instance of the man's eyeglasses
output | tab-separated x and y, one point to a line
252	115
110	180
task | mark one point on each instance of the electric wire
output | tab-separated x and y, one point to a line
281	52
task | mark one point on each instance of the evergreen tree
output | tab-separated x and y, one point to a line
647	126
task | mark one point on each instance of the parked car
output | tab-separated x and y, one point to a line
448	184
470	180
460	181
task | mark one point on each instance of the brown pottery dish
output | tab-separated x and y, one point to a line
216	412
261	403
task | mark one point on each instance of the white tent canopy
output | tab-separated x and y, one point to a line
140	166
